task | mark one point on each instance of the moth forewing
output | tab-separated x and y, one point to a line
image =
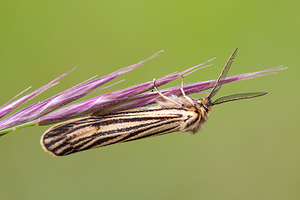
96	131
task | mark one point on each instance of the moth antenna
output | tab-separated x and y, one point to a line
223	75
239	96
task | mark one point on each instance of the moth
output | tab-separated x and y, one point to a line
173	114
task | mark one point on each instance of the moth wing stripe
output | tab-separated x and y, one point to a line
173	123
120	138
49	138
94	144
166	131
81	142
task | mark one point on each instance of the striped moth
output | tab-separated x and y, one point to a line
173	114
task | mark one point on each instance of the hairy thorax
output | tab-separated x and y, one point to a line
194	113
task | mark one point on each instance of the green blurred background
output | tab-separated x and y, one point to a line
247	150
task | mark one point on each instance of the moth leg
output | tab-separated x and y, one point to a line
184	95
163	96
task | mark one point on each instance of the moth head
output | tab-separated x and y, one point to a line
205	103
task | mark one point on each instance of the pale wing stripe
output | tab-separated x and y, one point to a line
91	140
84	130
144	129
104	142
68	131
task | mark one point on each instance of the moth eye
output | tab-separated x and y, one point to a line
199	101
